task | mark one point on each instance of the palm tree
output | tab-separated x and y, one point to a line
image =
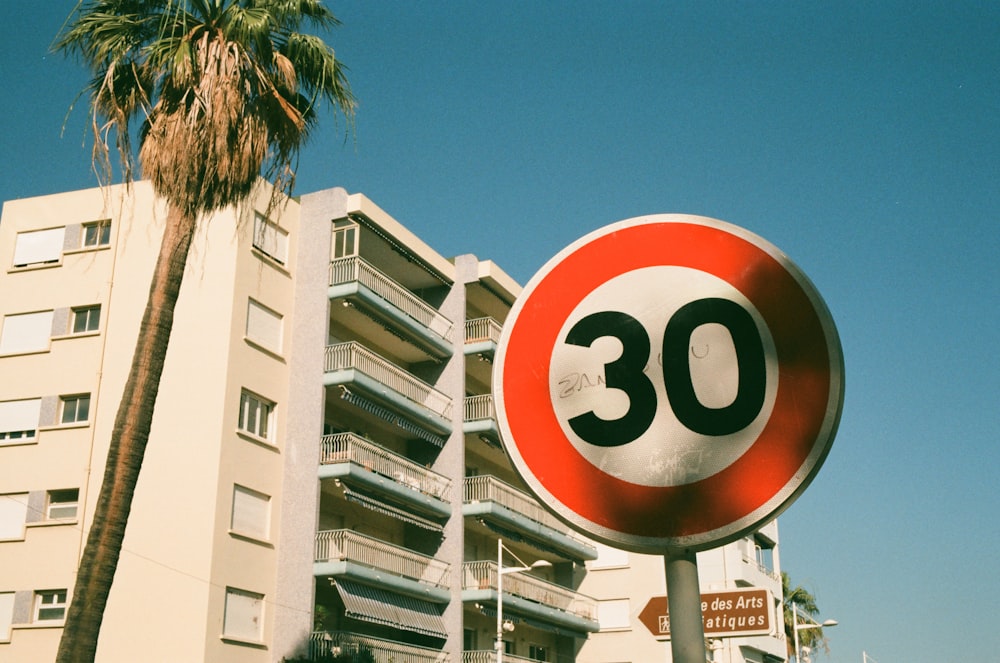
224	92
801	599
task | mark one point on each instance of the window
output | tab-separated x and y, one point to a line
538	653
19	420
255	415
244	615
264	326
86	319
614	614
75	409
251	513
763	552
345	239
50	605
6	614
26	332
270	239
13	515
62	504
39	247
97	234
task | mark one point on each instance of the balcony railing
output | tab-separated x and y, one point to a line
490	656
482	330
491	489
483	575
324	644
479	408
348	545
762	568
353	355
351	448
351	269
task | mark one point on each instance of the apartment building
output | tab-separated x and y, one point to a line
324	475
630	588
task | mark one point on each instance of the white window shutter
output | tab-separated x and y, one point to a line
20	415
13	516
264	326
38	246
26	332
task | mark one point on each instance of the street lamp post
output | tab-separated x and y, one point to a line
501	572
796	627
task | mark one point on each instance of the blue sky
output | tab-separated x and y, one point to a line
861	138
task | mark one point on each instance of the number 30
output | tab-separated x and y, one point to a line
627	372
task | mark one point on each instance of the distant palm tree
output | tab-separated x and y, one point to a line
805	602
226	91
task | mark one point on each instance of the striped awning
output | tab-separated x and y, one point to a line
395	610
386	509
390	416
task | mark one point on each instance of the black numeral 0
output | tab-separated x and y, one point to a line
749	359
627	372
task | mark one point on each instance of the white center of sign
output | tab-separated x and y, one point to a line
661	451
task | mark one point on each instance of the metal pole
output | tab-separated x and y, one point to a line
687	633
499	644
795	629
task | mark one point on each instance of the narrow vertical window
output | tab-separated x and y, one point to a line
255	415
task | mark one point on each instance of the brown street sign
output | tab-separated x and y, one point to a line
727	614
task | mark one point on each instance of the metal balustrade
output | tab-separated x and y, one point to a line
324	644
478	408
345	544
483	575
354	268
353	355
351	448
490	656
482	330
491	489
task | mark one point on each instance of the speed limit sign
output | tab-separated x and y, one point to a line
668	382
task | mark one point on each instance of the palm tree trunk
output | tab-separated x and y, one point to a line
128	445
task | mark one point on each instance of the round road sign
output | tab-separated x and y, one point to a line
668	382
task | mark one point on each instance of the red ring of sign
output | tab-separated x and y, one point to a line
772	463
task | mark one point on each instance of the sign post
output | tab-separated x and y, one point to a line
668	384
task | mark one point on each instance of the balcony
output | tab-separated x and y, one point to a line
347	554
542	602
356	283
481	419
481	338
324	644
515	514
385	389
363	464
490	656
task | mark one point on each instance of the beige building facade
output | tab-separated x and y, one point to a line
324	476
